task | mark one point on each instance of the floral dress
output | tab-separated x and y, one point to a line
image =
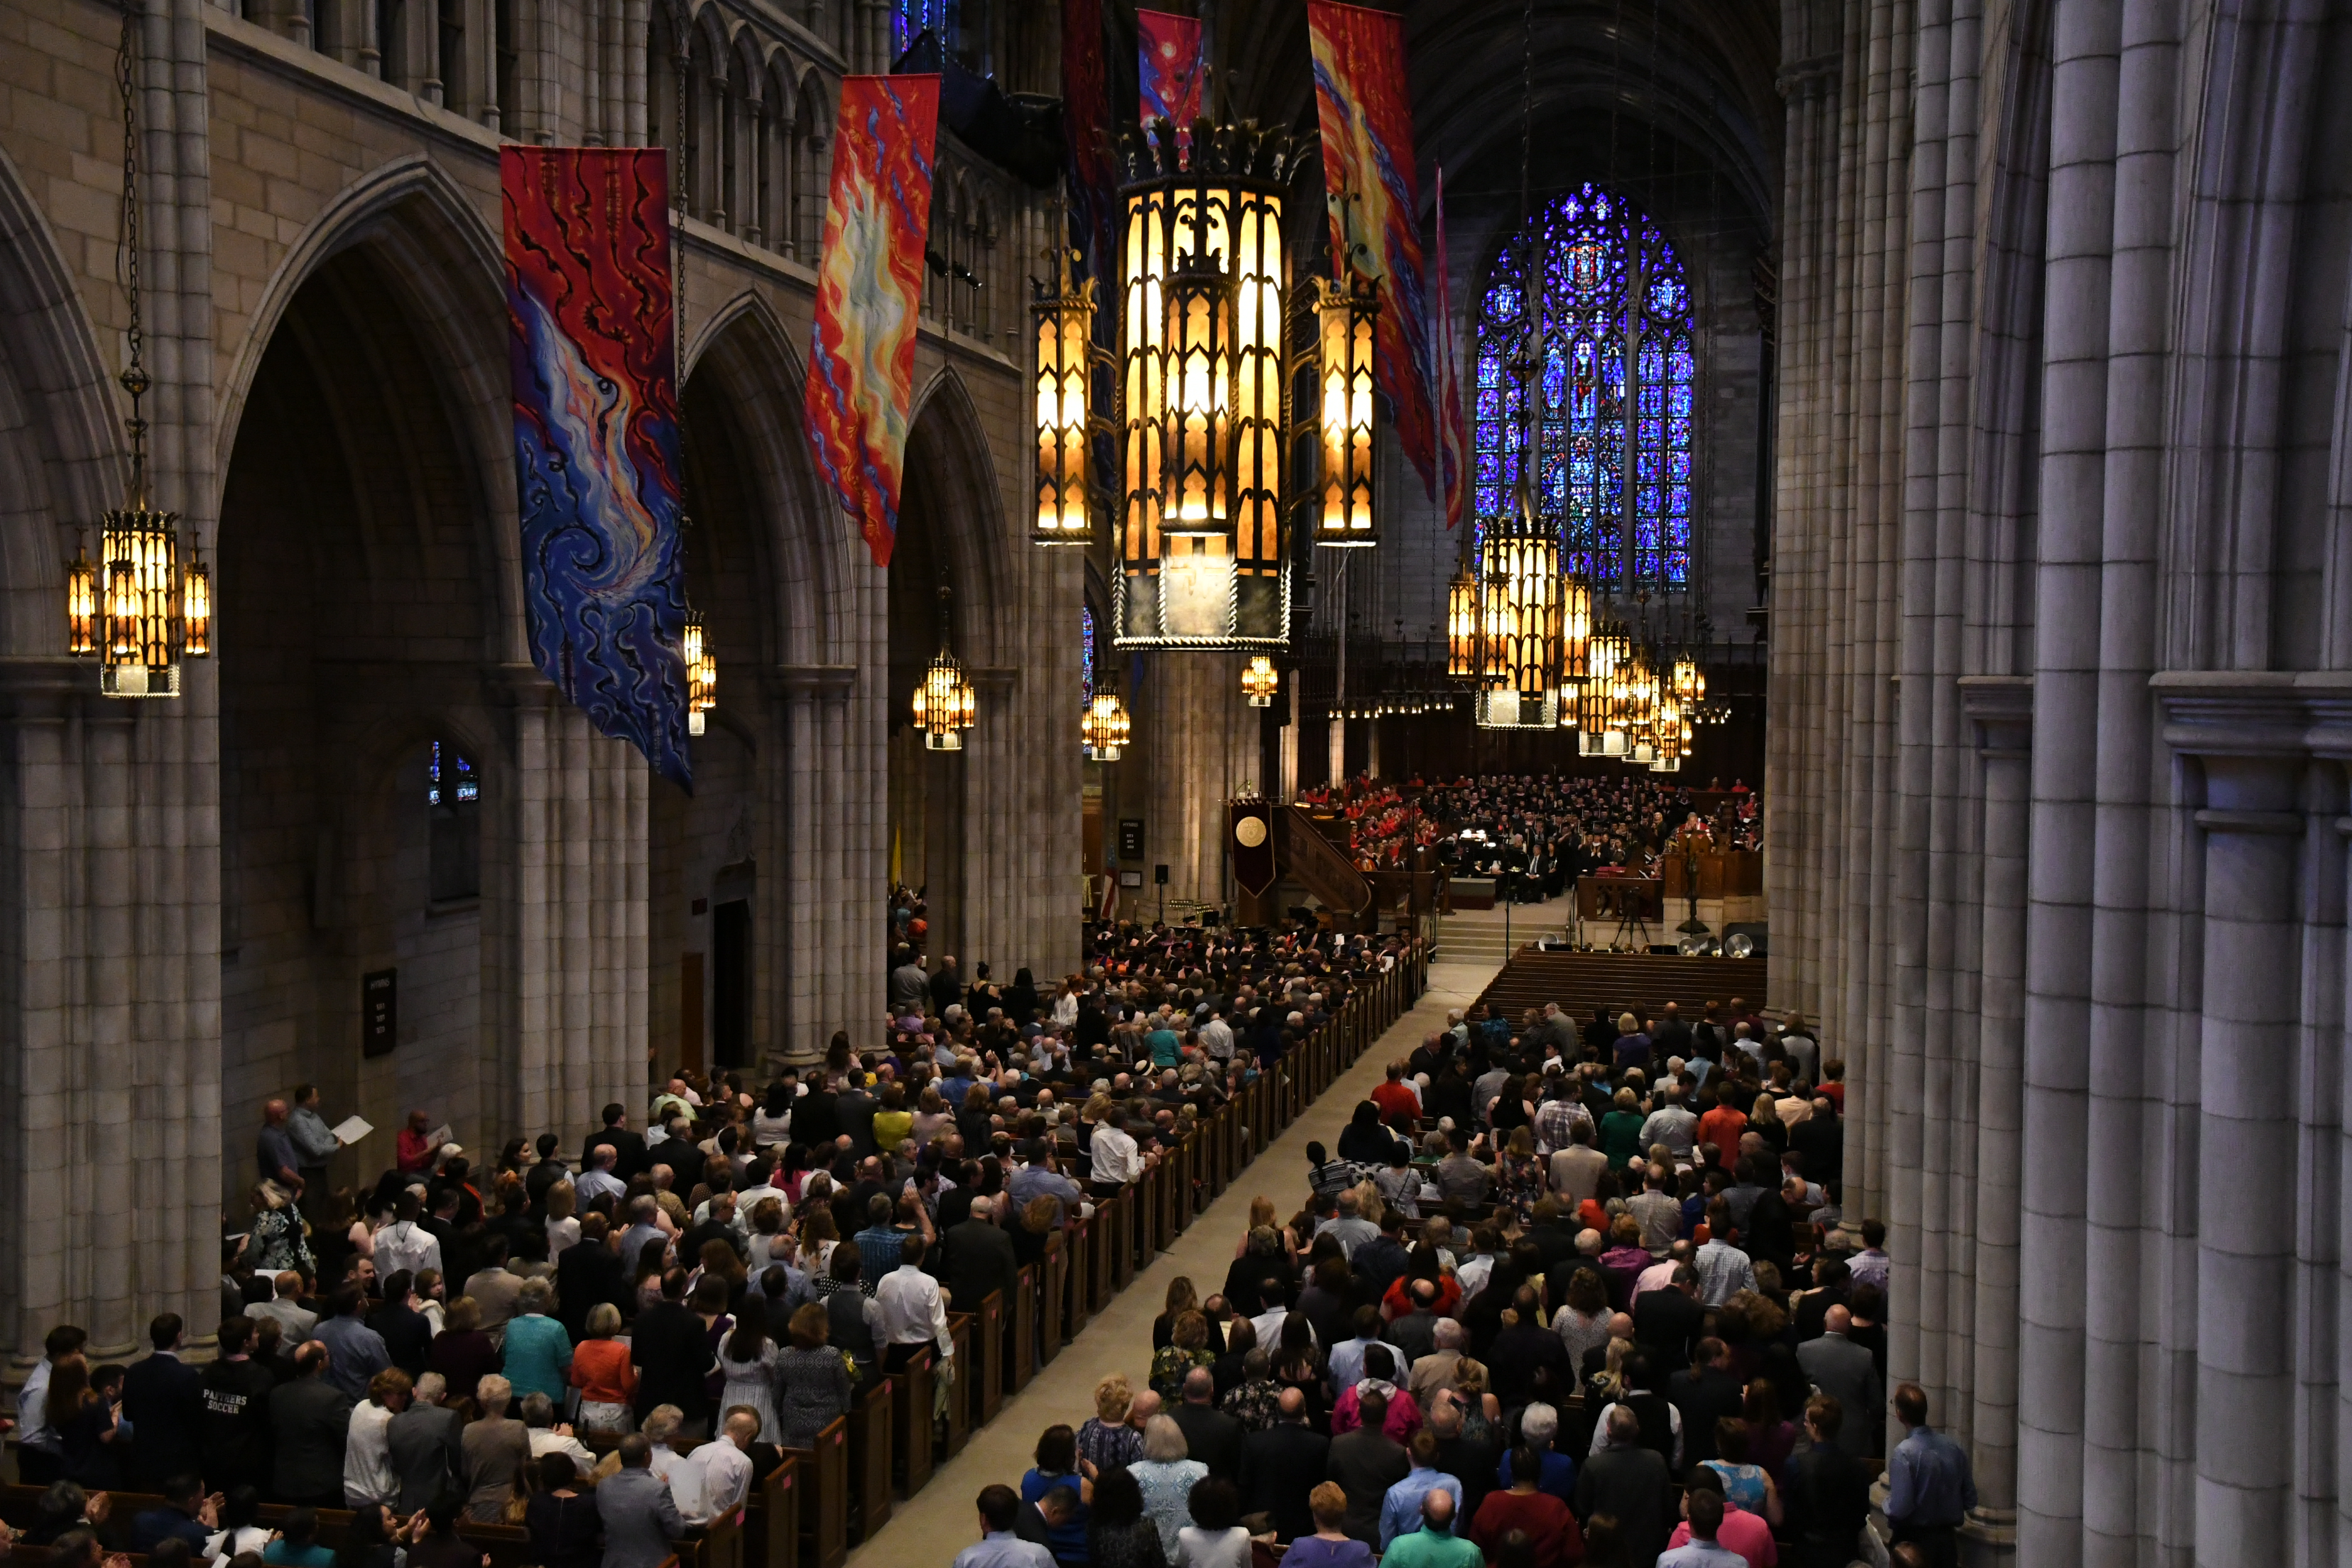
1168	1365
277	1243
1257	1403
1519	1184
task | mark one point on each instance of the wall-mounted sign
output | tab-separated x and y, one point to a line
379	1011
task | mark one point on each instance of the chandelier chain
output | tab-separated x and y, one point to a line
126	248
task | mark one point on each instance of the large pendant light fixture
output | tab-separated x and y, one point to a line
1105	727
136	610
701	673
945	705
1064	313
1200	556
1344	513
1260	681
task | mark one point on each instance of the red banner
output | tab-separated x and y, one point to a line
1168	71
870	289
1365	114
1085	124
1453	434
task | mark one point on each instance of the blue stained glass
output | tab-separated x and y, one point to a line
1594	256
450	778
1086	657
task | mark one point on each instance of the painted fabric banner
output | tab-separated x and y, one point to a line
1365	115
869	287
1085	116
1168	71
1453	430
593	357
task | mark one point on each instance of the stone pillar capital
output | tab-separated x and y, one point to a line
2001	708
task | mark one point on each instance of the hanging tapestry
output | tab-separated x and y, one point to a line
869	289
1365	115
1167	66
593	357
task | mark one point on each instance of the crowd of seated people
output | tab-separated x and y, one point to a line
1545	830
603	1347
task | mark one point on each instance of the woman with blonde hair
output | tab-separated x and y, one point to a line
602	1372
1764	1120
812	1379
1107	1442
562	1227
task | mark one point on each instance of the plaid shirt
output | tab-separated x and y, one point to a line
878	1255
1554	1120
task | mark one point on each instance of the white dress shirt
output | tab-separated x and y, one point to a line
1115	1157
710	1482
368	1474
404	1244
546	1440
592	1184
912	1311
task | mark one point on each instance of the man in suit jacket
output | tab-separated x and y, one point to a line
1628	1480
671	1352
1211	1436
1847	1373
1366	1463
1668	1321
426	1445
640	1520
1706	1394
1827	1496
628	1148
311	1419
163	1398
1283	1463
405	1331
974	1257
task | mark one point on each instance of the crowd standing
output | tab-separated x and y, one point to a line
603	1337
1543	831
1563	1292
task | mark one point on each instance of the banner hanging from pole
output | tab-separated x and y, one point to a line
870	289
1168	71
1364	113
593	361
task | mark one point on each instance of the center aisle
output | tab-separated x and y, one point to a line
940	1520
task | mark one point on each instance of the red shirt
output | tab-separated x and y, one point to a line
1740	1531
1397	1103
1544	1517
413	1152
1835	1093
1722	1127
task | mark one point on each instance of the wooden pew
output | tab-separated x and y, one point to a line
1022	1330
1078	1240
869	1460
959	1422
1122	1241
1050	1299
719	1546
1102	1241
986	1389
771	1518
910	1422
824	1503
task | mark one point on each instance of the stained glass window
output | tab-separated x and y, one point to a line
453	798
1086	658
911	18
1613	291
449	779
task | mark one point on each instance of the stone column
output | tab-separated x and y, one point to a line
2001	708
2243	730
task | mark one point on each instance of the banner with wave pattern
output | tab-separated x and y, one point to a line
869	289
1365	115
1168	69
1454	433
593	357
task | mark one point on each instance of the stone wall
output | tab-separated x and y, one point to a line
194	888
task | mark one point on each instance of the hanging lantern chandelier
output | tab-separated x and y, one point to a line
1462	619
1260	680
1105	728
1602	701
1344	512
701	672
1065	311
945	705
1202	563
136	609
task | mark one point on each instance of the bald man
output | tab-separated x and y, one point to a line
1845	1370
1281	1465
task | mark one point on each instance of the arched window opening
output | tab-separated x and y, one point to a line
453	803
1614	295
